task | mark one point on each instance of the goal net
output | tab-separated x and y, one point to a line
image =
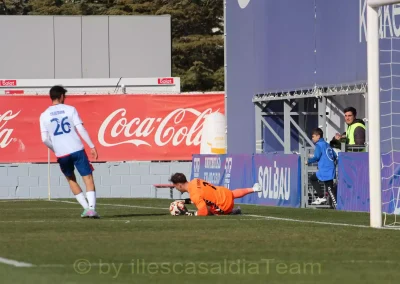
390	124
384	113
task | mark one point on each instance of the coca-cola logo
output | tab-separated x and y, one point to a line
170	129
8	83
5	133
165	81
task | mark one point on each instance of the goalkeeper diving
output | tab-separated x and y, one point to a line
208	198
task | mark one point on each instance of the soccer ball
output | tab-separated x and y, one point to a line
177	208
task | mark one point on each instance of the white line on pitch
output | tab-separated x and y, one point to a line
133	206
277	218
116	205
15	263
45	208
258	216
317	222
21	200
34	208
177	219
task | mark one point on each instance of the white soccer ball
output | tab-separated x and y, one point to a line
177	208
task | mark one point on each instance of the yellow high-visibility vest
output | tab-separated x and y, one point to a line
350	133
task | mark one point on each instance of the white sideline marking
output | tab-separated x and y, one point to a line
133	206
116	205
21	200
250	215
15	263
179	219
34	208
318	222
274	218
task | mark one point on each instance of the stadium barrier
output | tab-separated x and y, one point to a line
278	174
281	178
353	182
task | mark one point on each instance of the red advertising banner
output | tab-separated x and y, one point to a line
122	127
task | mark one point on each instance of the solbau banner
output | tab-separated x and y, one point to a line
280	178
278	174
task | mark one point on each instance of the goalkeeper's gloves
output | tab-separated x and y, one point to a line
191	213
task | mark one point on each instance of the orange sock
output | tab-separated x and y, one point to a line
238	193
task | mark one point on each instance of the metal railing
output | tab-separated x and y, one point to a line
308	193
352	148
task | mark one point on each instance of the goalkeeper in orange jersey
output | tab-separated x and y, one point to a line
208	198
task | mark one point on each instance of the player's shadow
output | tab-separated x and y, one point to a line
138	215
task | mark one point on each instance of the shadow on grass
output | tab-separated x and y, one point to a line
137	215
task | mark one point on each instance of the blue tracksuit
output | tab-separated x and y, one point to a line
325	157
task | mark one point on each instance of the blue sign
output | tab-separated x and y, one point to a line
278	174
219	169
280	178
353	182
353	186
211	168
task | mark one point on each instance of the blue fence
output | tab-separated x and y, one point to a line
353	186
280	178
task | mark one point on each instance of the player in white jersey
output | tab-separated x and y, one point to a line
59	126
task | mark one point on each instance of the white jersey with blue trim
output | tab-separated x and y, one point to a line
60	121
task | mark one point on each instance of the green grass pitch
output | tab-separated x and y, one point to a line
137	241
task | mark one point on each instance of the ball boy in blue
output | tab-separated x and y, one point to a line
326	157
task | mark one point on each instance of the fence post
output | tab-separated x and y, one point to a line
303	177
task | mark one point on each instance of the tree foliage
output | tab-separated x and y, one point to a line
197	31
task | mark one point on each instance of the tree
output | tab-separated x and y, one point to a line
198	44
13	7
195	51
197	31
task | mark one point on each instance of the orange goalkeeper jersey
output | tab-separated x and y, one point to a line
203	194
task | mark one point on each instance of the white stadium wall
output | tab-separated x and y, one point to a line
134	179
69	47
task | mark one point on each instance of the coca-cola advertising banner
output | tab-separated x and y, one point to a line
122	127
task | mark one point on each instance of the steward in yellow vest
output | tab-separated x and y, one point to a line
355	134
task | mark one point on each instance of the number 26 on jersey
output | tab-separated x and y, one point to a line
62	126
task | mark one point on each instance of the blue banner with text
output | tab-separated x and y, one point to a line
279	176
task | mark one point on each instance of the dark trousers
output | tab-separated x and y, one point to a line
329	186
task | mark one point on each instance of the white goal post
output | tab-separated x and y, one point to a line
374	111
